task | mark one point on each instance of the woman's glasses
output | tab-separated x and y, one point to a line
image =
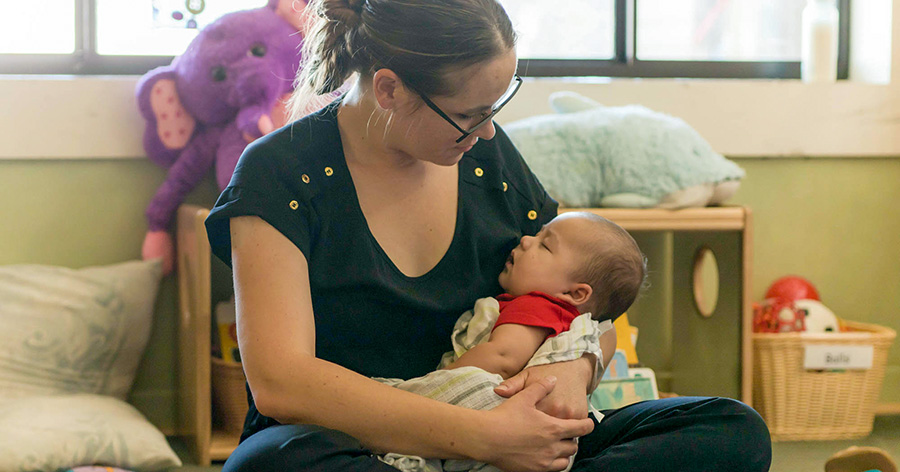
513	88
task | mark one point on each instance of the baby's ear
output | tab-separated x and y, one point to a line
578	294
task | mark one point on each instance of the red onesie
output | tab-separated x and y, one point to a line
536	309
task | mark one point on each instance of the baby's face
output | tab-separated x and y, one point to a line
546	261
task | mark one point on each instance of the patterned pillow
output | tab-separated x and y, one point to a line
59	432
74	331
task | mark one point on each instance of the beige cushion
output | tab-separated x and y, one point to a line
63	431
74	331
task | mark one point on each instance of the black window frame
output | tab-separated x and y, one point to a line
626	64
85	60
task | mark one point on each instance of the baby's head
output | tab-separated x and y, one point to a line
581	258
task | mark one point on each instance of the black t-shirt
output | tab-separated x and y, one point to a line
369	316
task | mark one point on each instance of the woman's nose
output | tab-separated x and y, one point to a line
486	132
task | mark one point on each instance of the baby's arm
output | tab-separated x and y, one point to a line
507	351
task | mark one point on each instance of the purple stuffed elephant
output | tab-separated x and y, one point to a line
228	88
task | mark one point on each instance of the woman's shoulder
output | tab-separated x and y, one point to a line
312	137
296	155
501	156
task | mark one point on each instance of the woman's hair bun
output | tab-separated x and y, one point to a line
343	11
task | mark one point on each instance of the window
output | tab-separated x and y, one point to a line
618	38
665	38
38	27
103	36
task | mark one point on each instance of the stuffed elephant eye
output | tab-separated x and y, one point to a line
219	74
258	50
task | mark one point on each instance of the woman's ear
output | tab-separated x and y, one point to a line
578	294
388	88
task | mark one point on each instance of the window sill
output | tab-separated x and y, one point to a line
53	117
751	118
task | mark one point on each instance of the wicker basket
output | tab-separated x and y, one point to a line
229	395
800	404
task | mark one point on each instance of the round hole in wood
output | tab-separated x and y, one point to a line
706	281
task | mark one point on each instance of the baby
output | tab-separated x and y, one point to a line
579	270
578	263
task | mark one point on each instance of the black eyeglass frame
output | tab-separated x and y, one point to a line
494	111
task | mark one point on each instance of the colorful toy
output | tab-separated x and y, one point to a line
777	316
590	155
792	304
228	88
626	338
617	367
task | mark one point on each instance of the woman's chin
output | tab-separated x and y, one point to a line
448	159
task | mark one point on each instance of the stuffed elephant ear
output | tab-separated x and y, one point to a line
293	11
169	125
571	102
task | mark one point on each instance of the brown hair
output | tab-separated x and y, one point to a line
420	40
614	267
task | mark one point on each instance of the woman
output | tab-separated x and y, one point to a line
359	234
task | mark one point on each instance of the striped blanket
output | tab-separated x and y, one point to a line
471	387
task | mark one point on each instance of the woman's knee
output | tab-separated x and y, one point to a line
301	447
751	441
747	419
682	433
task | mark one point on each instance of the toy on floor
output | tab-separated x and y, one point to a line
590	155
792	304
228	88
861	459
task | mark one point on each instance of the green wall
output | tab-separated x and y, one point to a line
834	221
837	223
78	213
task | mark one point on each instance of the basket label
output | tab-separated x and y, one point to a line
837	356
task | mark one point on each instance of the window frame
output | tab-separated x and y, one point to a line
626	64
85	60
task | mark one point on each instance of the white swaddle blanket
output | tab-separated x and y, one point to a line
472	387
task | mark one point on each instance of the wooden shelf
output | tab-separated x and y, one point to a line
222	444
887	409
714	219
688	219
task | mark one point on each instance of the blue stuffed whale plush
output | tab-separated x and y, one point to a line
590	155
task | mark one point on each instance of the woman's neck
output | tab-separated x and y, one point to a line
365	133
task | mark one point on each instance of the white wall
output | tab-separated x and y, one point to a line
96	117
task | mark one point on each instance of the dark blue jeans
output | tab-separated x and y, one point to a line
675	434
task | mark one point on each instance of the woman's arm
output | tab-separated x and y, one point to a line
567	399
276	333
507	351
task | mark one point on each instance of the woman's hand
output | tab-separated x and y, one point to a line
530	439
567	400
